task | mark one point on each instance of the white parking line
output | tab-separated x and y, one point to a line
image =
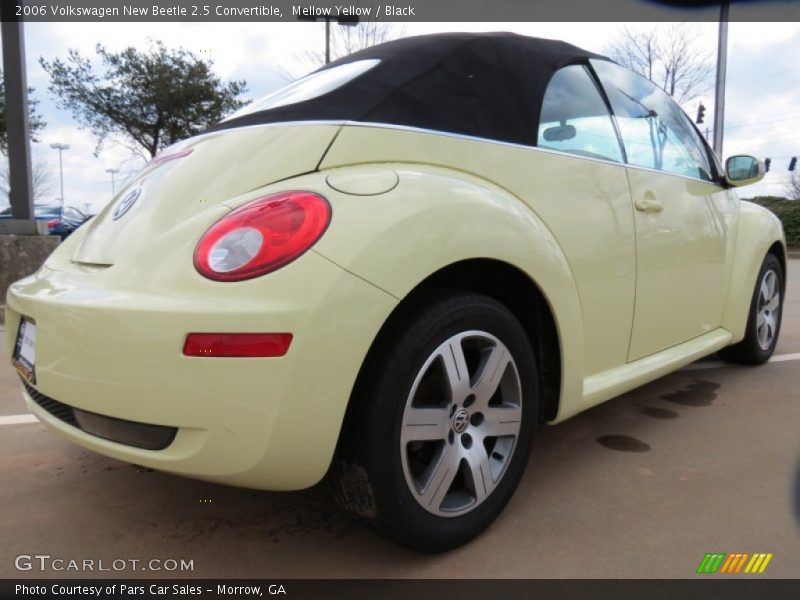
719	364
18	419
783	357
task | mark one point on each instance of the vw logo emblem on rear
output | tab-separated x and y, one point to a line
460	420
126	203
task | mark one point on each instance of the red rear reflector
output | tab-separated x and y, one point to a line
237	344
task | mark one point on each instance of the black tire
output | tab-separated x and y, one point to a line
368	471
749	351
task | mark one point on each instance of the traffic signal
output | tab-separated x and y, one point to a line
767	163
793	163
701	112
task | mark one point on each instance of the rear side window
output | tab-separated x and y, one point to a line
575	119
309	87
657	134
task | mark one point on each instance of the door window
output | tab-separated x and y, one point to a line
656	133
575	119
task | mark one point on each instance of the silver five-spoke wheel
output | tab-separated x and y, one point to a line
763	318
461	423
769	301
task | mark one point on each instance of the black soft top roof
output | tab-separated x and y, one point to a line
487	85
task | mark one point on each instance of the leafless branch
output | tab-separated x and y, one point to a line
793	186
668	56
42	180
349	39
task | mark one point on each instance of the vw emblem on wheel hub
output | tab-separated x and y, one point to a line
126	203
460	420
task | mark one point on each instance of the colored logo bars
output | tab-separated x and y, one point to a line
719	562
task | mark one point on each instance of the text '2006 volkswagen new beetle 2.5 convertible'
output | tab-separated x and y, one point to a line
391	271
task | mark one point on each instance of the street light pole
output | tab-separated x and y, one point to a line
60	147
113	188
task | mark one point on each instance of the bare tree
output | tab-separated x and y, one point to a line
793	187
349	39
668	56
41	179
364	35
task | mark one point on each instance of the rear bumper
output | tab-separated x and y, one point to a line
269	423
122	431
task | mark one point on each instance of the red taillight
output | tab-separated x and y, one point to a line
262	236
52	223
237	344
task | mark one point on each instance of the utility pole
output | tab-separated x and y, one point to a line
327	40
345	21
16	90
722	64
60	147
113	187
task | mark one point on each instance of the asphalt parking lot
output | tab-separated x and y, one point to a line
704	460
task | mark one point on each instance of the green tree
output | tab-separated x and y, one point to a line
35	121
152	97
788	211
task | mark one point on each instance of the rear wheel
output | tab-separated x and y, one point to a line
764	320
439	433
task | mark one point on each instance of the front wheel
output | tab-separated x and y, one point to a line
764	320
439	433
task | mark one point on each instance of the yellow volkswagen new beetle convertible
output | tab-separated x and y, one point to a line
391	271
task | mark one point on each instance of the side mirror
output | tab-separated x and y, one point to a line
743	170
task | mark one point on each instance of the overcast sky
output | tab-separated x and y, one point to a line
762	114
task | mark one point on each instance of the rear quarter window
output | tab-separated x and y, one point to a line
309	87
575	119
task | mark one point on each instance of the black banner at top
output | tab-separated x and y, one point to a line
147	11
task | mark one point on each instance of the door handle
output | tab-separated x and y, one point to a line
649	205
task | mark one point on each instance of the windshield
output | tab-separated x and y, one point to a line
311	86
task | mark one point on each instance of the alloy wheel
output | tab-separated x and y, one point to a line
461	423
768	310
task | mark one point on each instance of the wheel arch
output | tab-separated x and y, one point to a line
759	233
778	249
511	287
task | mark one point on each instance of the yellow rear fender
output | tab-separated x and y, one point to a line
435	217
758	231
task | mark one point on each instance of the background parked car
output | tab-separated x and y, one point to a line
71	219
60	221
44	212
